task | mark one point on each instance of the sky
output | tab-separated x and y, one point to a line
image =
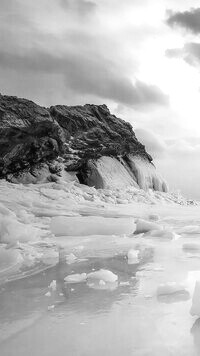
139	57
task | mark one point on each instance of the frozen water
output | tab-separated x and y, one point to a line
170	288
102	275
76	278
123	315
133	256
195	309
53	285
191	229
96	225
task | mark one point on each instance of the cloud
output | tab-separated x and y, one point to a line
85	43
190	52
154	144
189	20
82	7
85	74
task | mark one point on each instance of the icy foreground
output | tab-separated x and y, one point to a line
108	271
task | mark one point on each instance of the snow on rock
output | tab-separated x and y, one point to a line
76	278
108	172
87	225
143	226
133	256
146	174
195	309
170	288
102	275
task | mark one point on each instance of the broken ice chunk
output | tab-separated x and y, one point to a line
170	288
53	285
195	309
71	258
145	226
51	307
91	225
103	275
102	283
165	234
48	294
133	257
75	278
190	229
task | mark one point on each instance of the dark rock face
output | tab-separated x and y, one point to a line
31	136
91	132
28	135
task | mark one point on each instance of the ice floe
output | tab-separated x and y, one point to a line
87	225
143	226
170	288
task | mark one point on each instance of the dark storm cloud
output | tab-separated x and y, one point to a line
190	20
82	74
68	39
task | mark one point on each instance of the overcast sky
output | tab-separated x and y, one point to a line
140	57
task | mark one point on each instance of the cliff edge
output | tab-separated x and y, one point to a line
85	142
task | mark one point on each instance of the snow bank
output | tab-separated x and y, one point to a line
91	225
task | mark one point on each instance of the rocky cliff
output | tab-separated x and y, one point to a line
38	144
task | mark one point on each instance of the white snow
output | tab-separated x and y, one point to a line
13	231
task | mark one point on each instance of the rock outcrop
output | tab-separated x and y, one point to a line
38	144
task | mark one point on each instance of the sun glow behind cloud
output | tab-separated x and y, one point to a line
175	77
